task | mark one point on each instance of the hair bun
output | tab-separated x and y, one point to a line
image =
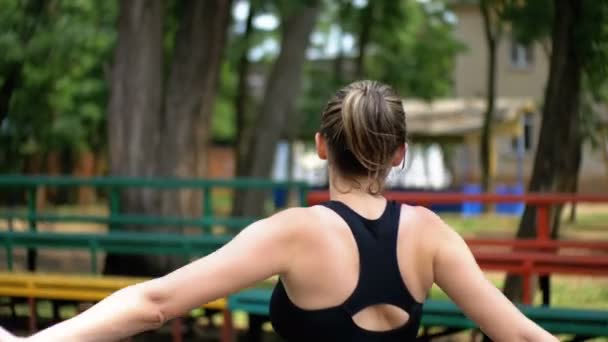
367	118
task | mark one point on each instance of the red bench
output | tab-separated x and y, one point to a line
539	256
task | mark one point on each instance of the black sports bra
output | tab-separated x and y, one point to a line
380	282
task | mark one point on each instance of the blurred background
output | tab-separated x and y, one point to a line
501	96
235	88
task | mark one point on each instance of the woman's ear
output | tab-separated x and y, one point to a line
399	155
321	146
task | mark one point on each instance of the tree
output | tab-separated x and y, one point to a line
344	13
412	48
578	39
156	129
189	97
365	27
134	117
52	89
282	89
31	12
243	126
492	27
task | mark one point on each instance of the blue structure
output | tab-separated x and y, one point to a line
510	208
471	208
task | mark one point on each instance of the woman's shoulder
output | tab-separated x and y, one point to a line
420	216
301	220
424	224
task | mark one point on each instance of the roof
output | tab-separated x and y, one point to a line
459	117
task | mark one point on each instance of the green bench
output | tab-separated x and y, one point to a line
114	187
114	242
442	313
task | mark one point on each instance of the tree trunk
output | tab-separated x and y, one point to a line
367	21
604	147
558	156
281	93
149	137
244	130
12	79
190	94
134	119
492	37
345	8
85	167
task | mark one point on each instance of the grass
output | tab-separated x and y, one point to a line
566	291
483	225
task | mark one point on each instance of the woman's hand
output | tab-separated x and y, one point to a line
5	336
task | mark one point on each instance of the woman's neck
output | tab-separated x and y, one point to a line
354	192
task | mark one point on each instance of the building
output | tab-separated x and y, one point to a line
521	73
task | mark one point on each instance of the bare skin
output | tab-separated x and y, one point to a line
314	252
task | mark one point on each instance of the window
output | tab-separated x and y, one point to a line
522	56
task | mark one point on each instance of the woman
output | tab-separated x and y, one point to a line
356	268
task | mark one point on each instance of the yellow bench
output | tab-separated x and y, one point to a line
86	288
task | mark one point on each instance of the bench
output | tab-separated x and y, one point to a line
83	288
94	287
443	313
529	264
524	263
114	242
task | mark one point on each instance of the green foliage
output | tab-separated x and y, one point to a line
413	48
530	20
223	121
319	85
61	52
592	39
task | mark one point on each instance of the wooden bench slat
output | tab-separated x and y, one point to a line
71	287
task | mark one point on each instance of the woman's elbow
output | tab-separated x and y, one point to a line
534	333
148	304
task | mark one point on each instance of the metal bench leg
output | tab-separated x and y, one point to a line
545	286
527	290
255	328
227	326
176	329
32	320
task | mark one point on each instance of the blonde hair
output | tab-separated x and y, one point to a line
364	125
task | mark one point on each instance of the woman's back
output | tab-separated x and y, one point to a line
363	274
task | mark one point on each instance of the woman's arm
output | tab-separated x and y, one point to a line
261	250
457	273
